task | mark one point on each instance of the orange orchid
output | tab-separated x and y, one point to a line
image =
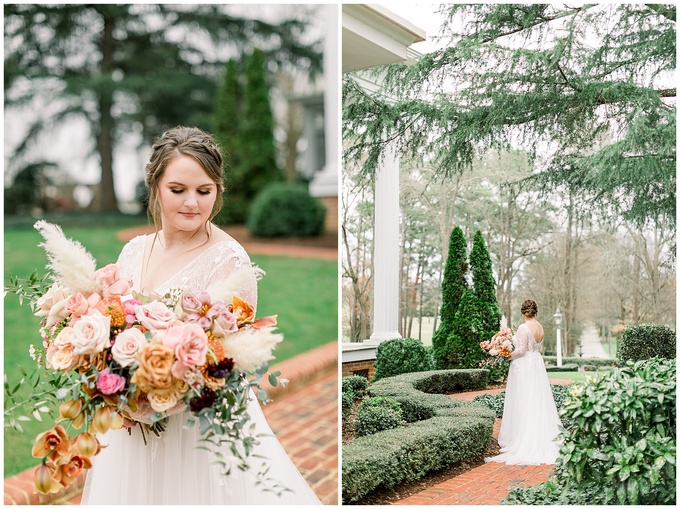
243	311
46	478
87	445
53	443
266	321
72	469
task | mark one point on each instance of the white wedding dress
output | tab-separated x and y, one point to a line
170	469
530	420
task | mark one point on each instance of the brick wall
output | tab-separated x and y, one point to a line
352	368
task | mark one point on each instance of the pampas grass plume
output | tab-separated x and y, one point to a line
250	348
241	278
71	264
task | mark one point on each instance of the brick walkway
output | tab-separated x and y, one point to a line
485	484
304	417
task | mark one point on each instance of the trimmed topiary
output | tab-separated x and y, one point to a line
356	384
646	341
285	210
398	356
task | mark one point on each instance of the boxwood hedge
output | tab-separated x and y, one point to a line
441	431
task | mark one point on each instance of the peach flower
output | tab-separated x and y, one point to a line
127	344
52	305
91	334
111	282
155	316
162	399
155	363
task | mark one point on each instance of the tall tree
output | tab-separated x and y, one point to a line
453	287
119	66
591	86
484	286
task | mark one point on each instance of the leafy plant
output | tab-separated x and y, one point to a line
285	210
398	356
378	414
355	385
647	341
498	368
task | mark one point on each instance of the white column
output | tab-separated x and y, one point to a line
386	250
325	182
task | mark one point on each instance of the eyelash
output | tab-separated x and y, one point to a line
179	191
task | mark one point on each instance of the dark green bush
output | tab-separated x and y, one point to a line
496	402
582	361
398	356
356	384
646	341
378	414
563	367
285	210
347	402
452	431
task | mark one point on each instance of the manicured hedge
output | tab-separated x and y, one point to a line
441	431
646	341
563	367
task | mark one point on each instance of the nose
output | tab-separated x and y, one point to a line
190	200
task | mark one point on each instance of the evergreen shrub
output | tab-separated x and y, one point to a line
646	341
398	356
452	431
378	414
285	210
563	367
347	403
355	384
498	368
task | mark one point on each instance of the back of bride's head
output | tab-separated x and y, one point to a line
529	308
184	141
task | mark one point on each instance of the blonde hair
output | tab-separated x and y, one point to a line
183	141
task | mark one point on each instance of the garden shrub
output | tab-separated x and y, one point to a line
452	431
397	356
621	448
347	403
582	361
285	210
378	414
563	367
498	368
496	402
646	341
356	384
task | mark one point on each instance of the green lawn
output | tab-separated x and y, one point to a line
577	376
303	292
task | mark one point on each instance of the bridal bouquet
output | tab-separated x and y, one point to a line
111	355
500	344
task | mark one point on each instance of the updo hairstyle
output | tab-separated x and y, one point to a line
529	308
183	141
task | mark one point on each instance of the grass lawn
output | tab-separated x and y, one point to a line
303	292
576	376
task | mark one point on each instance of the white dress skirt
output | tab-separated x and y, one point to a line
530	422
171	469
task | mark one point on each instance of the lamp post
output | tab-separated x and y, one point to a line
558	329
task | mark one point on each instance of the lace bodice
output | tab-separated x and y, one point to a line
524	342
218	262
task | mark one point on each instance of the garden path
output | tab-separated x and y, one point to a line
591	345
486	484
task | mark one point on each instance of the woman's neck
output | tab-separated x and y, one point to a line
173	240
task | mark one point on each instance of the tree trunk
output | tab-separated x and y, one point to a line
107	198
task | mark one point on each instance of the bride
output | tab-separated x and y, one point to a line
530	420
185	182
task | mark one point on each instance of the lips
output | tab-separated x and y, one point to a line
189	215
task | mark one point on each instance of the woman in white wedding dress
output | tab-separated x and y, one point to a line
185	183
530	422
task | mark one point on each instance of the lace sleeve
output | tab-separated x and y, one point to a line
234	274
520	341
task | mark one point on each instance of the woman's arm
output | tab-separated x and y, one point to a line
520	341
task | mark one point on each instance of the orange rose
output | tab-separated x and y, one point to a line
155	363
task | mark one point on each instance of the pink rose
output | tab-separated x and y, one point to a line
111	282
155	316
130	306
190	344
127	344
224	321
191	303
110	383
77	304
91	334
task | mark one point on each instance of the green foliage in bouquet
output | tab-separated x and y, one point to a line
453	287
397	356
498	368
646	341
484	285
378	414
286	210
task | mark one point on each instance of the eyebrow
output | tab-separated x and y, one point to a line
184	185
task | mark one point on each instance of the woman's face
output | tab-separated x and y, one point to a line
186	195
